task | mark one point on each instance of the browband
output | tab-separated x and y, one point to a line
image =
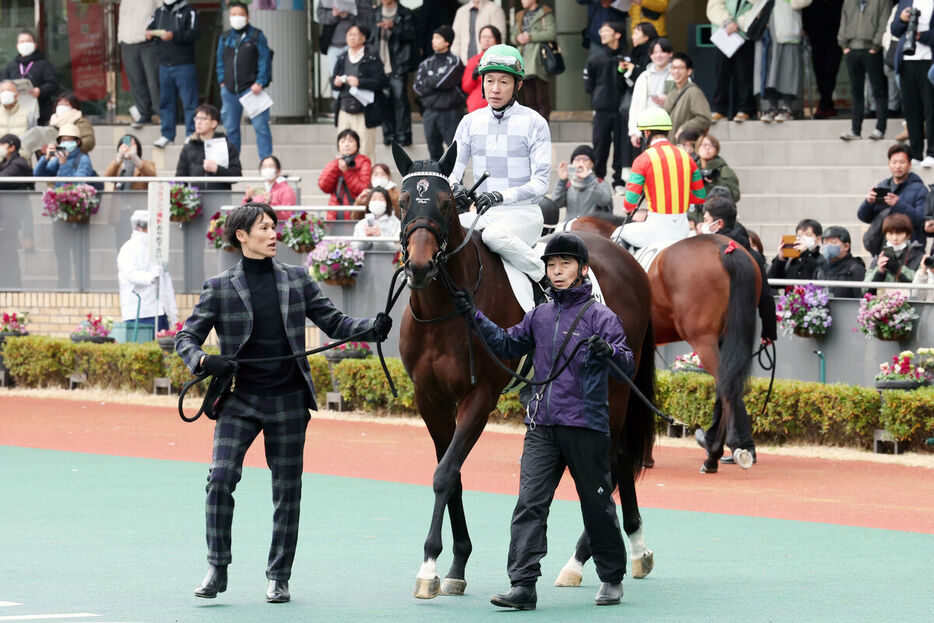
426	174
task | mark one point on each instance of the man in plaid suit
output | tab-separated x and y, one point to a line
258	309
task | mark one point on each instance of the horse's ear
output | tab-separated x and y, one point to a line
448	159
403	162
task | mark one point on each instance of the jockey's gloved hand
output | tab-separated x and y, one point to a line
487	200
381	326
219	366
463	304
461	198
600	348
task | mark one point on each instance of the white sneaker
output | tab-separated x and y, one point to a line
134	114
915	162
161	142
928	162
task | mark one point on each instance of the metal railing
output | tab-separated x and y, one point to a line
866	285
72	179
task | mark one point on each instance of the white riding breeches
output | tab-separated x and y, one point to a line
510	231
655	228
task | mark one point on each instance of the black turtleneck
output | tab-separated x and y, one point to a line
268	337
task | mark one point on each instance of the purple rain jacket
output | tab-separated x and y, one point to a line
579	397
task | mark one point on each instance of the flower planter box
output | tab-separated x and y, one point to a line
906	384
77	218
341	281
303	248
94	339
691	369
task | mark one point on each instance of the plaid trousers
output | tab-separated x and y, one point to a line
283	420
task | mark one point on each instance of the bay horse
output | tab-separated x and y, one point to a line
435	346
705	291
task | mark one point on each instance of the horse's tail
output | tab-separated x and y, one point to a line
740	329
640	420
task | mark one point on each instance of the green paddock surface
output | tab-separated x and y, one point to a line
115	539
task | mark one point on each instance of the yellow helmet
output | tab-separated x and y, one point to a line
654	119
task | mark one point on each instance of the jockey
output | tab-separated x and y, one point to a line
670	180
513	143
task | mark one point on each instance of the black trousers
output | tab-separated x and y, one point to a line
609	128
397	118
917	105
534	94
440	126
821	21
739	435
586	453
734	82
141	63
859	64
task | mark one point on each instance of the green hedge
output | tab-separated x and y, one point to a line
797	411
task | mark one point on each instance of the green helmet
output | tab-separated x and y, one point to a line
502	57
653	119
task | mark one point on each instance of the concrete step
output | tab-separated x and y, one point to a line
806	153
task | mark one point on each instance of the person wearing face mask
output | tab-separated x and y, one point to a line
12	164
809	264
129	163
14	119
275	191
64	159
843	265
68	112
378	222
345	177
244	65
649	88
901	256
380	178
579	189
32	65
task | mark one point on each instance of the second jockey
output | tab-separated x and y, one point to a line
513	143
670	180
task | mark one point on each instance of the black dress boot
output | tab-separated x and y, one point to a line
213	583
609	594
520	597
277	592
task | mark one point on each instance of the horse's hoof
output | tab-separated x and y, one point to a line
427	589
743	458
453	587
643	565
569	577
709	467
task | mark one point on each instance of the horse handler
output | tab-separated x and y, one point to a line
567	420
258	309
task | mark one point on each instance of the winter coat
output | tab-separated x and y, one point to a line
898	29
403	50
924	276
389	226
14	120
488	14
766	304
77	164
688	109
847	268
243	59
41	74
280	194
371	77
135	273
182	20
785	23
579	396
85	129
912	201
805	266
146	168
652	11
642	92
437	82
470	84
721	175
345	186
603	82
594	197
191	163
863	29
900	269
543	30
15	167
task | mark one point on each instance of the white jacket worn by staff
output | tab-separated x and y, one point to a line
136	273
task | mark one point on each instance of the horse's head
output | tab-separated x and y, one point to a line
428	213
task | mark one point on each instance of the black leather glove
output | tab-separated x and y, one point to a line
485	201
218	366
463	304
381	326
600	348
461	198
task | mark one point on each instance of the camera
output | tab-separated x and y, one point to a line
350	160
710	174
929	262
911	33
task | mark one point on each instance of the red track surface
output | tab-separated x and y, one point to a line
844	492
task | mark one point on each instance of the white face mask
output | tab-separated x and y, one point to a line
268	174
706	228
238	22
7	97
25	48
61	109
379	181
897	247
378	208
4	152
809	241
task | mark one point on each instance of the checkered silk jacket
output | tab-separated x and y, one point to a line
225	306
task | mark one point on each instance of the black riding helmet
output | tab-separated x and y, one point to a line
567	244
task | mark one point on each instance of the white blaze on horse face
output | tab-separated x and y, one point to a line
428	570
637	546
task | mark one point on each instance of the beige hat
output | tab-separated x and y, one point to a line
69	129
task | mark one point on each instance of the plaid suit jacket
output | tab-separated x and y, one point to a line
225	306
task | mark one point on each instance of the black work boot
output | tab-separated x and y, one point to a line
520	597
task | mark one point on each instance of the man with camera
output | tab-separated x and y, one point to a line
912	62
579	189
903	193
844	266
799	257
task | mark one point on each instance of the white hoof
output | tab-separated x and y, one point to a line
453	587
427	588
743	458
569	577
643	565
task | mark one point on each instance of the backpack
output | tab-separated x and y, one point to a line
874	239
